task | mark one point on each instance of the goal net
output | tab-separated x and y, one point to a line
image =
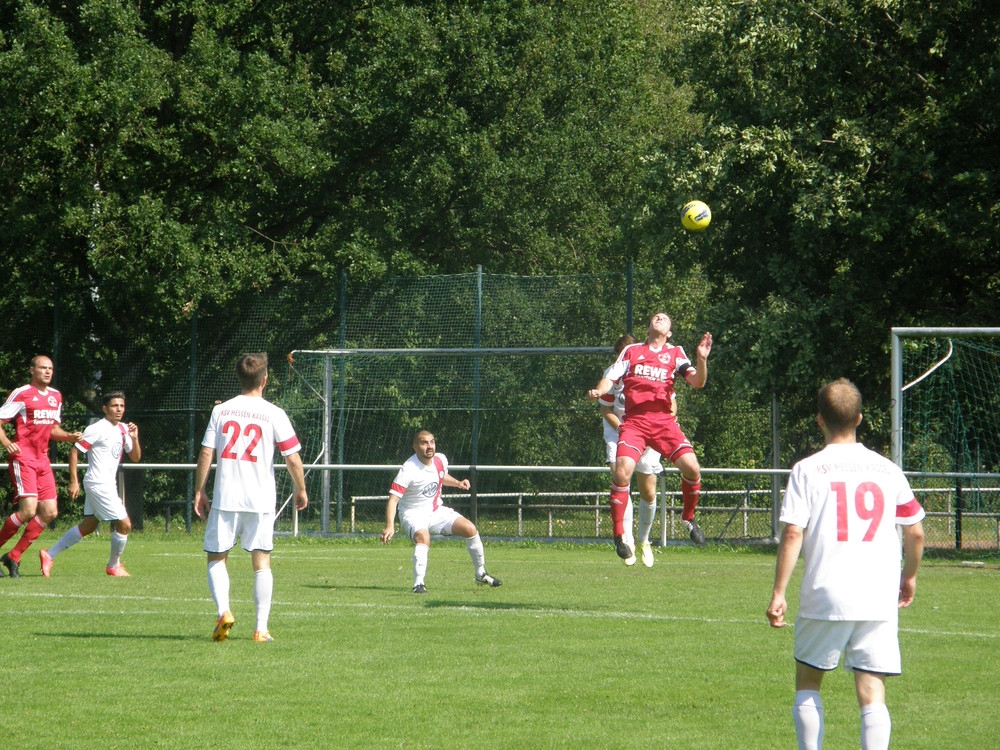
946	422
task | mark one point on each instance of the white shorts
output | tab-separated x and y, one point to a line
868	646
437	521
103	501
649	461
254	530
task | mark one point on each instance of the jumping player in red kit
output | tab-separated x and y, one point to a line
36	410
647	373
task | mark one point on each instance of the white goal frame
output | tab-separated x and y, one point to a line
897	372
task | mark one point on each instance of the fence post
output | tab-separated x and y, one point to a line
958	514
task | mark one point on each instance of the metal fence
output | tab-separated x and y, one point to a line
738	506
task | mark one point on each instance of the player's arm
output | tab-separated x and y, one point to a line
450	481
699	375
293	462
913	550
60	435
133	432
201	503
390	519
74	480
603	386
788	555
8	445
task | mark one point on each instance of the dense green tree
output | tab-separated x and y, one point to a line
849	154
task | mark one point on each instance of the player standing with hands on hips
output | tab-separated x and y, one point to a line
245	432
647	373
106	443
36	410
841	509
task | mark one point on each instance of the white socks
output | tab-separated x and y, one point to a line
475	546
263	588
808	715
876	726
627	522
218	584
67	540
419	563
647	513
118	542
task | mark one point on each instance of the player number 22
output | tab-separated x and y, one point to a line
869	504
252	431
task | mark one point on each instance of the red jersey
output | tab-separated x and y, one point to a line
34	414
648	376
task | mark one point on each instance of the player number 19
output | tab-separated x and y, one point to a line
869	504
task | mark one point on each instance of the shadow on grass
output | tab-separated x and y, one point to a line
116	636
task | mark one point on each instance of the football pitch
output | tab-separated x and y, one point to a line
574	650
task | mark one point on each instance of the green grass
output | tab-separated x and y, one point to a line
574	650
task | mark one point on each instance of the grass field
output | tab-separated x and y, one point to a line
574	650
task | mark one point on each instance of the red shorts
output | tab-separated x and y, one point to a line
655	430
32	480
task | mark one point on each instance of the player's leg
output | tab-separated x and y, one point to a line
119	538
647	514
463	527
421	551
807	710
45	513
873	654
876	725
621	479
690	470
263	593
220	536
73	535
25	513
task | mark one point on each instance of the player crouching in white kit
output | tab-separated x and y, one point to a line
105	442
416	491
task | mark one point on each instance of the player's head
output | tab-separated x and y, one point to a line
423	445
839	406
627	340
113	406
660	324
41	370
251	370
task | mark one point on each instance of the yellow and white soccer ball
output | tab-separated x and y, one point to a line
696	215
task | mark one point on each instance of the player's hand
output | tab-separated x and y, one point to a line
464	484
13	448
301	499
133	430
387	533
705	345
201	504
776	611
74	489
907	589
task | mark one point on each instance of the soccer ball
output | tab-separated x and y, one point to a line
696	215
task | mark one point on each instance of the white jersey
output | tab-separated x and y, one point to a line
244	432
418	485
105	444
848	500
615	399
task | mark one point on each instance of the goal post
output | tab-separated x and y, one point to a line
924	337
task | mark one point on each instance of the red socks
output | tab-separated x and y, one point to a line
10	527
32	531
619	501
690	492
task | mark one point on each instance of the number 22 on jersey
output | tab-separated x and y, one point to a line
867	502
251	431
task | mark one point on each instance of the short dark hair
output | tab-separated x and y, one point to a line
251	369
417	433
839	404
108	397
627	340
